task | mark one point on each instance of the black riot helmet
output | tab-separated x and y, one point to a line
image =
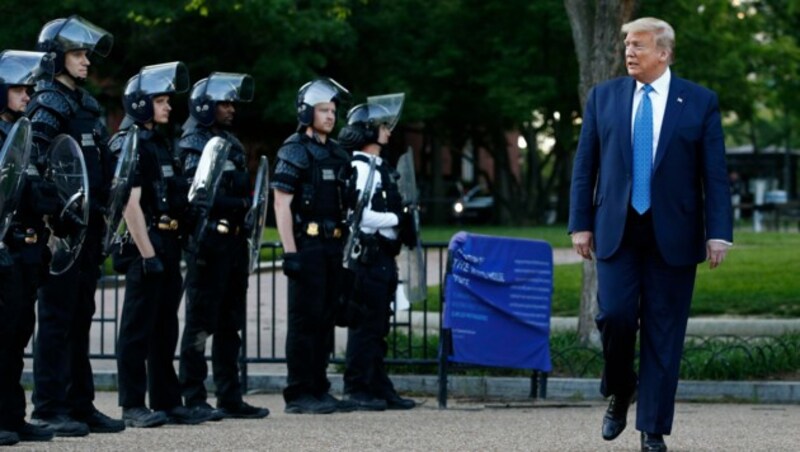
60	36
150	82
21	68
218	87
364	120
316	92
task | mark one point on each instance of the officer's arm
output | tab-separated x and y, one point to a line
283	220
370	217
134	217
45	125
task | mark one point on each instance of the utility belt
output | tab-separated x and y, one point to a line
327	229
224	227
166	223
17	236
375	245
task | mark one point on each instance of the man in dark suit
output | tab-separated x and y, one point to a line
650	198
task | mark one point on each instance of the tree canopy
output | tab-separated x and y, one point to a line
473	70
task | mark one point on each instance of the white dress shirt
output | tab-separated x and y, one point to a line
385	223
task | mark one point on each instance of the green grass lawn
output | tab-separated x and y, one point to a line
760	277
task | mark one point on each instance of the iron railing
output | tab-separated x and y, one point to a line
415	334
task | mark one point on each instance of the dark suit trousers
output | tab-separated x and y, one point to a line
638	290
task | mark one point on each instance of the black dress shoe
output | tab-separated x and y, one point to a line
652	442
395	402
8	438
33	433
365	402
143	417
616	417
243	410
62	425
100	423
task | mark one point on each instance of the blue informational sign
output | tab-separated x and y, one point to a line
497	301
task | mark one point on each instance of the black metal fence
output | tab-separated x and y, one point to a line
412	336
415	333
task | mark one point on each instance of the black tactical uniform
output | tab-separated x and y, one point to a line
383	224
26	240
148	332
63	375
155	213
23	267
216	281
375	284
24	255
310	171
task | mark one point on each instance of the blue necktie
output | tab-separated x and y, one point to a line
642	152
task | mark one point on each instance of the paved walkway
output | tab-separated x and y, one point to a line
465	426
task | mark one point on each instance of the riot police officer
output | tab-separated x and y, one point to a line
148	332
383	224
63	383
23	255
309	214
216	280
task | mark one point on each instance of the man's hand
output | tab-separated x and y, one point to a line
583	243
716	252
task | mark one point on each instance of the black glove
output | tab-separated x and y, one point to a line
43	196
67	225
408	231
152	266
292	265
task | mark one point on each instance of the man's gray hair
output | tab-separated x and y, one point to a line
663	32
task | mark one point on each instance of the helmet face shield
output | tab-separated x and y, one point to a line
228	87
78	33
150	82
24	68
323	90
386	109
166	78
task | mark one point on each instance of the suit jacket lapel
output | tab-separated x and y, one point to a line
675	103
625	99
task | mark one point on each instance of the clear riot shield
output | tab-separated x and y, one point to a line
13	162
411	261
121	186
257	216
205	182
67	170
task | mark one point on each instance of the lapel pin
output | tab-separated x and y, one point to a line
680	99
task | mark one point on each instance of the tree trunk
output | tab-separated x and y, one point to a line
598	46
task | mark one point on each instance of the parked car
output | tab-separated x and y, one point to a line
473	206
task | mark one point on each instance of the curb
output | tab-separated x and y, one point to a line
517	388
